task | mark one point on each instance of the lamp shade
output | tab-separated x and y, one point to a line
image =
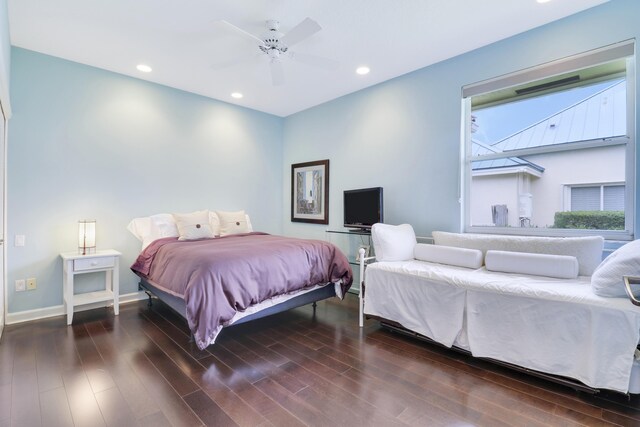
86	236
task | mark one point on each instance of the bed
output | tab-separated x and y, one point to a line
560	328
238	277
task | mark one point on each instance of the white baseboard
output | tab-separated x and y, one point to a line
58	310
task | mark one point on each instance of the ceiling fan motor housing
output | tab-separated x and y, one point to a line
271	39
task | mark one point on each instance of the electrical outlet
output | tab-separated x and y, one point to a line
20	285
31	283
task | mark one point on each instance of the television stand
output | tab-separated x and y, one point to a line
350	242
357	231
360	231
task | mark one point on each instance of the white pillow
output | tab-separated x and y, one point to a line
150	228
393	242
461	257
232	222
215	223
163	225
193	225
607	280
558	266
587	250
140	227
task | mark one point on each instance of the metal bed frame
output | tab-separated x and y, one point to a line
178	305
628	281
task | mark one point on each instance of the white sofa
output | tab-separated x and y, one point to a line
519	315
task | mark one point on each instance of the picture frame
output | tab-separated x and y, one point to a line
366	248
310	192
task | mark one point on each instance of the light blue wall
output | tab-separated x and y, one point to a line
88	143
404	134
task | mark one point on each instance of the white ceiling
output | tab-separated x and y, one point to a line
181	40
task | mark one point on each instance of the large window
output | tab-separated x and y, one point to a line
549	146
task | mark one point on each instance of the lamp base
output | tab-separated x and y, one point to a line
87	251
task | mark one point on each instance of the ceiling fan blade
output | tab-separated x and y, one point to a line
305	29
241	32
277	73
314	60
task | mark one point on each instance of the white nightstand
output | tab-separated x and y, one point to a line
74	263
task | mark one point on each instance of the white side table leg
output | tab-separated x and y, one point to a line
115	282
361	292
68	289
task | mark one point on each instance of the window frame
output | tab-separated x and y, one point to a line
620	51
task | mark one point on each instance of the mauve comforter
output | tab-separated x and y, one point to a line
222	276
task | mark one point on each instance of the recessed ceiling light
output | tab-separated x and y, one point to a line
543	1
237	95
144	68
363	70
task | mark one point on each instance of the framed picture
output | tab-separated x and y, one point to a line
310	192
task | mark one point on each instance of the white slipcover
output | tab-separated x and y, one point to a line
559	266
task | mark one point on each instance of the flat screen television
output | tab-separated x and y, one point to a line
363	207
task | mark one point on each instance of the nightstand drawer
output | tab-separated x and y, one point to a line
93	263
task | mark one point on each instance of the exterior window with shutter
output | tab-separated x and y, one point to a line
597	198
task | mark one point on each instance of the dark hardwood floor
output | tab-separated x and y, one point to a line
291	369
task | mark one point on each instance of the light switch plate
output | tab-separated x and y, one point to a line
20	240
20	285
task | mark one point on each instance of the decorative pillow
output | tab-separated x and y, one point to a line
607	280
587	250
461	257
559	266
215	223
232	222
193	225
393	242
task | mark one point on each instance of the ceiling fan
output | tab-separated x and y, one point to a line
276	46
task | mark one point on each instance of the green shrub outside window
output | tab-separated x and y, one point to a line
590	220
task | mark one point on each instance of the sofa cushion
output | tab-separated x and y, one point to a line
393	242
558	266
460	257
607	280
587	250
